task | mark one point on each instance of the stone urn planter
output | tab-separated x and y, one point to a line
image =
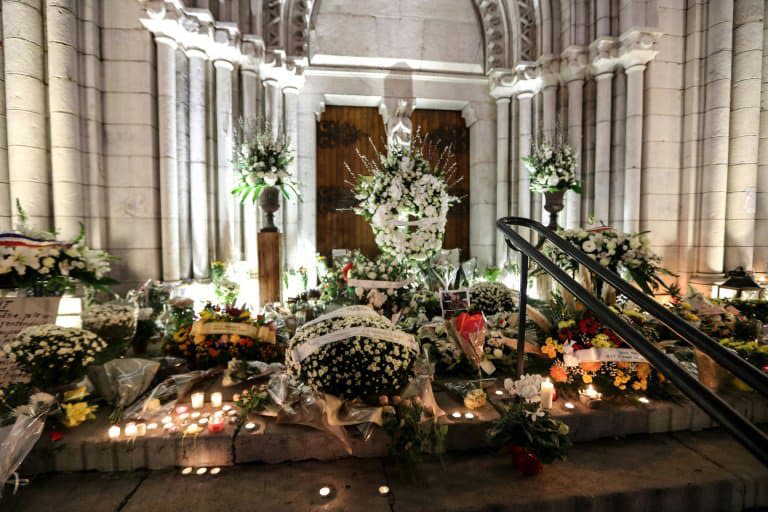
553	204
269	201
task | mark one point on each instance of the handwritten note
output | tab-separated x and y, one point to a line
15	315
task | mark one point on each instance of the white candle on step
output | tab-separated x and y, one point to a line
198	399
547	394
216	400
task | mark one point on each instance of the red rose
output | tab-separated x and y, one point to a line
56	436
589	326
345	271
565	334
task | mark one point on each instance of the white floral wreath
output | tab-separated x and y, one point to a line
406	203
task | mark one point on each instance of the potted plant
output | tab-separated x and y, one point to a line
552	168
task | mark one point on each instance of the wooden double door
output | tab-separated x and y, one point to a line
341	134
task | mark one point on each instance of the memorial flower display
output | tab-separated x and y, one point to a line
218	334
261	160
353	353
628	254
406	201
35	261
114	321
552	168
491	298
381	283
54	356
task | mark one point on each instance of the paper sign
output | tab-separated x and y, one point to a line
620	355
16	314
261	333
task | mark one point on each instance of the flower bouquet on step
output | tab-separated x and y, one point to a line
261	159
219	334
528	432
552	168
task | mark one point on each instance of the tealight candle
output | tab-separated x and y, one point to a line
250	427
591	397
325	491
226	407
469	415
643	400
592	393
130	430
232	412
201	471
194	415
113	432
383	490
499	392
141	429
181	409
198	399
202	421
192	429
216	424
215	471
152	426
186	471
184	417
569	405
456	415
167	419
216	399
547	393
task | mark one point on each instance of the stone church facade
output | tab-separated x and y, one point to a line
121	114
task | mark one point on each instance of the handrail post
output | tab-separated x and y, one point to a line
521	316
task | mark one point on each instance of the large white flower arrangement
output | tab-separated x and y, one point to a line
352	353
625	253
35	260
552	168
406	201
381	283
262	159
52	355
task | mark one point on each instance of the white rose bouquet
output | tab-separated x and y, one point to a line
54	356
491	298
624	253
552	168
262	159
406	200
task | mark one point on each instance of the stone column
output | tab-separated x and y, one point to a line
273	113
25	109
5	190
714	179
634	146
182	161
574	60
250	88
226	208
524	189
91	136
617	151
603	15
745	125
502	173
603	146
169	177
761	218
291	239
198	181
64	118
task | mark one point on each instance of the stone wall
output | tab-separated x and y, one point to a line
119	114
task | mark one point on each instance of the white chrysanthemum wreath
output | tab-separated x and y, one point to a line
406	200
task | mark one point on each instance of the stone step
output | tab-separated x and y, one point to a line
87	448
702	472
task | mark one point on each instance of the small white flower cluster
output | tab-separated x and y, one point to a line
114	321
527	387
552	168
356	367
383	268
52	354
406	202
491	298
53	260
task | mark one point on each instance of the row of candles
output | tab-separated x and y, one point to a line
193	422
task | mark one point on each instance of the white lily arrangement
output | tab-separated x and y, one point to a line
552	168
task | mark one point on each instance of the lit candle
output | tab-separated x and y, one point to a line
469	415
569	405
130	430
186	471
216	424
547	393
167	419
456	415
643	400
226	408
383	490
181	409
195	415
113	432
202	421
216	399
152	426
141	429
201	471
592	393
198	399
250	427
215	471
499	392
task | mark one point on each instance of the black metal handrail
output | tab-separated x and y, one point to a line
754	439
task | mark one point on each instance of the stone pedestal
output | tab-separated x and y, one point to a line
269	267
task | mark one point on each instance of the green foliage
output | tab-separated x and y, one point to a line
411	438
536	430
